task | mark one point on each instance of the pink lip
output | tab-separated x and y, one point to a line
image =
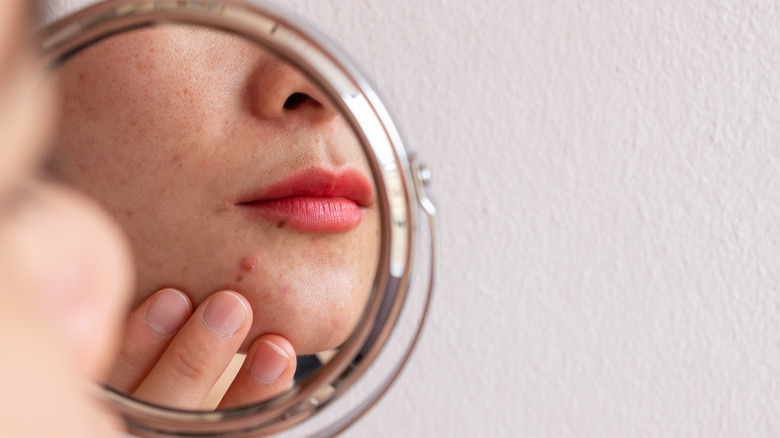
314	200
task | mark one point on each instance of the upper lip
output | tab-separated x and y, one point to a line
318	182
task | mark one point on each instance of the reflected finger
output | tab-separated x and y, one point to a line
268	371
148	332
199	353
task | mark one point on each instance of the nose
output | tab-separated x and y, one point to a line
278	91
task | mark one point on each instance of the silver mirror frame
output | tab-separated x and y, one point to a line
400	182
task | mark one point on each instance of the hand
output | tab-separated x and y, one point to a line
173	356
65	280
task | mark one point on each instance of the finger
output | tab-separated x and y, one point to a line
199	353
268	371
148	332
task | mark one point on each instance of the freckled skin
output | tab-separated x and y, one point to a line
208	126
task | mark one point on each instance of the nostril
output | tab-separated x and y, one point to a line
295	100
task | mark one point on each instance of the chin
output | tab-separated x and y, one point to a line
310	334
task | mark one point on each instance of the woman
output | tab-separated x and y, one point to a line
229	171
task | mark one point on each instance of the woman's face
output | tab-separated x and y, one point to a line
228	170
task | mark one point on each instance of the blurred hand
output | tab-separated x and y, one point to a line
65	278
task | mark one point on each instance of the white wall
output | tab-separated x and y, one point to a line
608	175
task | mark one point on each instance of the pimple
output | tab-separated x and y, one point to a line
249	264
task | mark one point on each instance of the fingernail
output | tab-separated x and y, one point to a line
224	314
269	362
167	312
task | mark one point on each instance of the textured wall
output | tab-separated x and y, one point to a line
608	175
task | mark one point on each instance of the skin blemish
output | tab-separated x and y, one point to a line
249	264
239	278
280	224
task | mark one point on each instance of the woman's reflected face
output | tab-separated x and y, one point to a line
229	170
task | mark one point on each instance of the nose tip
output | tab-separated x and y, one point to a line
279	91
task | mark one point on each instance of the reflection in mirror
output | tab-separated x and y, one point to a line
247	199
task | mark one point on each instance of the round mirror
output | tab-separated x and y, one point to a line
246	196
270	205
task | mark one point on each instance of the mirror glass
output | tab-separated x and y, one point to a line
248	201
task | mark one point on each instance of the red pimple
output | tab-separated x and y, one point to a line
249	264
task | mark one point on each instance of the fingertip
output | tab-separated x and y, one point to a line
226	312
280	342
166	311
244	301
272	359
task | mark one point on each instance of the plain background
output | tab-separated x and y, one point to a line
607	178
607	174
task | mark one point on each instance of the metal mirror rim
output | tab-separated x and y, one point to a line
397	188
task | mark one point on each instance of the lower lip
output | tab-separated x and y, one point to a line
308	213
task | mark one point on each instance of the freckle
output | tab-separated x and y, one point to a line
280	224
249	264
239	278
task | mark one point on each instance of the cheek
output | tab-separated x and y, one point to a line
134	141
141	98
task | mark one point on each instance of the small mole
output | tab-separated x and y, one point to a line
249	264
239	278
280	224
